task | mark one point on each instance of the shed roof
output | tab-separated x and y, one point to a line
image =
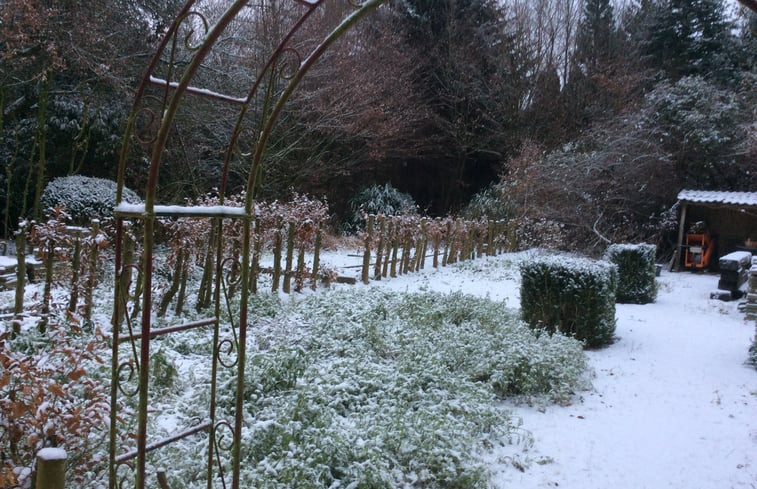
718	197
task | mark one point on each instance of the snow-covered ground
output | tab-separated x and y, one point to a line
673	404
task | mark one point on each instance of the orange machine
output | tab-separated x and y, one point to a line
699	248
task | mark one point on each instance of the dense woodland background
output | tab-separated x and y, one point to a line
580	120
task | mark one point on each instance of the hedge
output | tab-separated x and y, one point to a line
636	272
575	296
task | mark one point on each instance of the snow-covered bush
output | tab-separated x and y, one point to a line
378	199
84	198
575	296
381	389
488	204
636	272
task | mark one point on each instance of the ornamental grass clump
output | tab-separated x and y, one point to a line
573	296
636	272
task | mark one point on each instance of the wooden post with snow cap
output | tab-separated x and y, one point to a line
51	468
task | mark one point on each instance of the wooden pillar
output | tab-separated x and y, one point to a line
51	468
676	265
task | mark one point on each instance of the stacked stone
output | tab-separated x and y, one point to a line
734	271
751	297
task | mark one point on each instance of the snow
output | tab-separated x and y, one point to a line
673	404
179	210
51	453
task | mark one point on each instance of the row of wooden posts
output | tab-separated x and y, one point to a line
45	259
392	246
398	245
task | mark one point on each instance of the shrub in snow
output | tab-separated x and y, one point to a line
636	272
575	296
378	199
368	388
488	204
85	198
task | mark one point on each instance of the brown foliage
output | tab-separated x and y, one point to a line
48	397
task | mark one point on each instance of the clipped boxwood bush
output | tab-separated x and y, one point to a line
636	272
575	296
85	198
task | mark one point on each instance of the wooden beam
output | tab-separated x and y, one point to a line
676	265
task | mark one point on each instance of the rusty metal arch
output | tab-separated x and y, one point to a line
172	89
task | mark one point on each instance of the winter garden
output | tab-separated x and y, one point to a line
428	376
267	310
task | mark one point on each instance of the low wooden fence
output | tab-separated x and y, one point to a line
399	245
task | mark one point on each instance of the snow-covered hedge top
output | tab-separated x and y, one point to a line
85	197
577	265
630	247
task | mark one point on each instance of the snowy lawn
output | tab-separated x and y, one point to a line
672	405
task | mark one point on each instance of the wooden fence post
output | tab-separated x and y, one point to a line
380	246
183	282
51	468
388	250
75	271
47	293
424	244
316	258
277	244
256	251
367	248
94	253
21	268
299	277
289	259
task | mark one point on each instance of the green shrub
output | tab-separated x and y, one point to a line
369	388
377	199
636	272
85	198
488	204
575	296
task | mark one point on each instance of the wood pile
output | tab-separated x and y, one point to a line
8	266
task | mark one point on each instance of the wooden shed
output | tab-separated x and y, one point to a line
727	219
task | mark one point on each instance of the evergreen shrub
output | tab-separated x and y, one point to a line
384	199
85	198
488	204
573	296
636	272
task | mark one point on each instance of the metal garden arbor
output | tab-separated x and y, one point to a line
170	80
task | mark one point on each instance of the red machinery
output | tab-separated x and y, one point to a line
699	247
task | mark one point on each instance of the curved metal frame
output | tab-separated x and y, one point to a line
172	97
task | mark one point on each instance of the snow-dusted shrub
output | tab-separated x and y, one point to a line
488	204
84	198
636	272
378	199
367	388
575	296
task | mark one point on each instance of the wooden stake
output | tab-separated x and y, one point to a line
51	468
289	259
367	248
316	259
